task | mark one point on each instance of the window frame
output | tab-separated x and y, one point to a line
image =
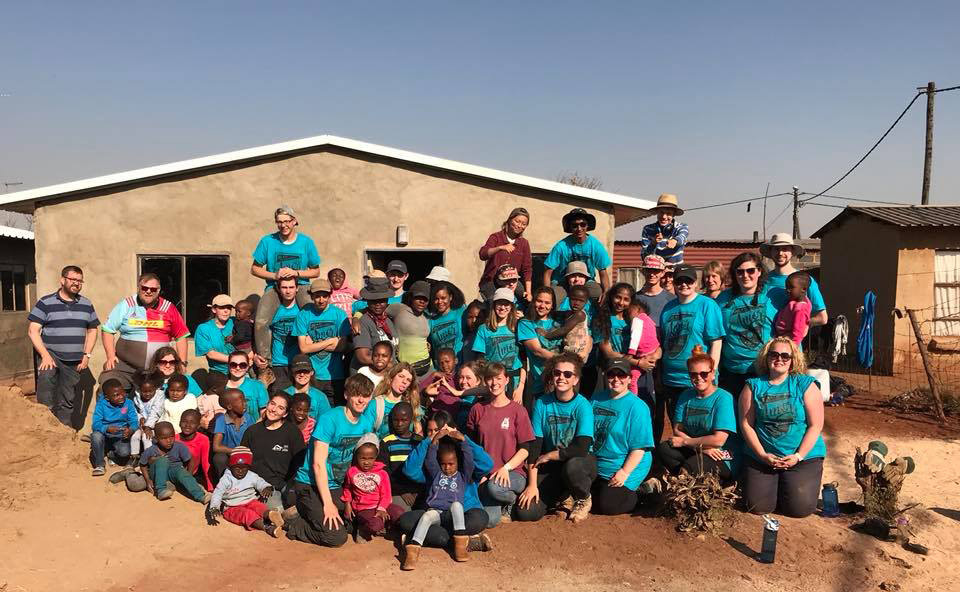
947	319
182	307
14	268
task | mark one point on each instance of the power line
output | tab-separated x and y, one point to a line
739	201
782	212
895	203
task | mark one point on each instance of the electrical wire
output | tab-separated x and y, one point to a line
782	212
895	203
739	201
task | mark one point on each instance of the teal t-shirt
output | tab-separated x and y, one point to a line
527	330
361	305
776	288
591	252
619	335
748	327
498	346
780	419
683	327
559	422
320	325
209	337
446	330
256	395
318	400
621	426
340	435
702	417
272	254
283	345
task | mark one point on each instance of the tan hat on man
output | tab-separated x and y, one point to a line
668	201
781	239
320	285
222	300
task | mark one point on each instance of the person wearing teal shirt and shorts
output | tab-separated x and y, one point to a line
781	424
210	339
496	341
539	348
323	333
579	246
445	315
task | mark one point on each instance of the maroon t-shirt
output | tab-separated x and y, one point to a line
500	430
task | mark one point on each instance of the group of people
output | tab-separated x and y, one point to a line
327	412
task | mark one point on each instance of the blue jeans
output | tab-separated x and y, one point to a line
161	472
494	496
101	443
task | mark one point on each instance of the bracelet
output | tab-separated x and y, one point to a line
799	456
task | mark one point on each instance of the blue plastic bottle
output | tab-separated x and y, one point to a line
831	502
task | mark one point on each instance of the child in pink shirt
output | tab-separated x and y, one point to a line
794	318
209	402
643	339
300	410
366	491
342	296
199	446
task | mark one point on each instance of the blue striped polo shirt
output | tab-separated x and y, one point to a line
64	325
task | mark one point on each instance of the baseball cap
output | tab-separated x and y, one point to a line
577	268
221	300
654	262
503	294
507	271
397	265
300	362
420	288
619	364
683	270
320	285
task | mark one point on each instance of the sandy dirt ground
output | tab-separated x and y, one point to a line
64	530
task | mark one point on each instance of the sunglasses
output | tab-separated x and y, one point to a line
240	365
148	289
748	271
564	373
580	224
616	374
302	371
785	356
700	375
166	362
684	281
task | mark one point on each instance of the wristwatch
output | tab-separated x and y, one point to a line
87	354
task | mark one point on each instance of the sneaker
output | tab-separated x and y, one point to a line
99	471
480	542
564	506
85	438
164	495
506	513
651	486
276	518
206	498
273	530
581	509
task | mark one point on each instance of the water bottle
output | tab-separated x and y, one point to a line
831	503
768	549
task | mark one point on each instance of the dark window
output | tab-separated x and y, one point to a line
538	267
419	262
190	282
13	287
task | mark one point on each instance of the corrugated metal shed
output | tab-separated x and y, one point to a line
11	232
903	216
698	253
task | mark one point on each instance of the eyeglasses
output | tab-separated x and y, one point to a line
166	362
564	373
579	224
700	375
285	222
149	289
785	356
748	271
74	280
616	374
684	281
240	365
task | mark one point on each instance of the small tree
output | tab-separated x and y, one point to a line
579	180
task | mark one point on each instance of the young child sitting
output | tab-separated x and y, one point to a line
228	428
394	450
449	476
575	333
342	296
439	384
166	463
366	491
149	409
178	400
208	404
300	410
240	497
794	318
380	356
114	422
242	337
199	446
643	342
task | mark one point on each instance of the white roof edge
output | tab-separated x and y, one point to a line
11	232
315	142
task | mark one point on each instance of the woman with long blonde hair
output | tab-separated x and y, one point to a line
398	384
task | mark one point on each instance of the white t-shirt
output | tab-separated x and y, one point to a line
366	371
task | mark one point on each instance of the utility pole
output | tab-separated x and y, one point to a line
931	90
796	212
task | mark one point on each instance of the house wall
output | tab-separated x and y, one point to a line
345	201
16	352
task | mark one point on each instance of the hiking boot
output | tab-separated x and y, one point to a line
460	551
99	471
506	513
581	509
276	518
565	506
165	494
120	475
411	554
273	530
651	486
290	513
480	542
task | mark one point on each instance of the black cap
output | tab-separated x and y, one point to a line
396	265
619	364
682	270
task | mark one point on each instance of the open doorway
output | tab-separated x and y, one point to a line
419	261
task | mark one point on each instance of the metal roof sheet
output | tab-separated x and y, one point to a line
938	216
11	232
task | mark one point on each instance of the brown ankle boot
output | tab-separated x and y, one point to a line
460	552
411	553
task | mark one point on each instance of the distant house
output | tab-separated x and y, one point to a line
17	294
628	256
909	256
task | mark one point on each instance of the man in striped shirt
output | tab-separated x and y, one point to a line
63	330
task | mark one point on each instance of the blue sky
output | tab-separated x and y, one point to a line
707	100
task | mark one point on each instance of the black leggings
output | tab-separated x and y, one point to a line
308	527
612	501
474	519
792	492
558	479
674	459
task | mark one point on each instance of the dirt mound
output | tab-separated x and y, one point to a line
33	446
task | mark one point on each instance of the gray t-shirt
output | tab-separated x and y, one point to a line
178	455
369	336
655	303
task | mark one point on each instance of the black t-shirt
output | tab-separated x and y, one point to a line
277	454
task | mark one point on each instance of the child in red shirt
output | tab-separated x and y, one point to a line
366	491
199	446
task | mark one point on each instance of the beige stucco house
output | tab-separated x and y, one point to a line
909	256
196	222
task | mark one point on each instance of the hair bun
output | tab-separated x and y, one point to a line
697	349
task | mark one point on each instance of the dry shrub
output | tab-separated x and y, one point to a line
699	502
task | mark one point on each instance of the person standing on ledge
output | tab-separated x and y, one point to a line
666	237
579	246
